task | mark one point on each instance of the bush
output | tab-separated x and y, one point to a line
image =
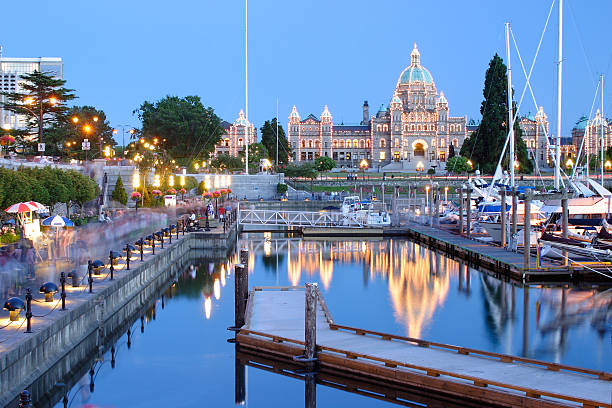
9	238
324	163
202	187
119	193
281	188
431	171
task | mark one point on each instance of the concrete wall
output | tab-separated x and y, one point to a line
23	365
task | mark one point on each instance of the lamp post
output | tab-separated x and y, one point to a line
30	101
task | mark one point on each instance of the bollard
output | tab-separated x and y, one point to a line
25	401
527	229
503	217
207	226
128	255
244	257
170	236
63	283
89	271
437	206
129	338
177	229
28	297
142	324
160	234
461	210
75	278
141	242
183	227
153	243
112	267
241	293
113	356
564	222
91	379
468	207
514	213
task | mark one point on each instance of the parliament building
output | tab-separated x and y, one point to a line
413	132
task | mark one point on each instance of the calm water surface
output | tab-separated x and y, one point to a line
183	358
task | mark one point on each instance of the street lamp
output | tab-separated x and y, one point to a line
426	196
569	164
608	165
30	101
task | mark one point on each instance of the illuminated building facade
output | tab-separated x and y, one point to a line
233	141
413	132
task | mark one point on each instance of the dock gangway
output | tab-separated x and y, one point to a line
292	219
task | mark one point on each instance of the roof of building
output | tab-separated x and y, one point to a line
225	124
581	123
311	116
415	72
352	127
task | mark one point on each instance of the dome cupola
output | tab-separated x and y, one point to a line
415	73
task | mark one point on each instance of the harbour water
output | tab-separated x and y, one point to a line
182	358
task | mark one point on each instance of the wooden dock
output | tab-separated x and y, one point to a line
274	325
500	260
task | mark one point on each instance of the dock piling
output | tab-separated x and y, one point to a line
461	210
564	221
394	209
527	229
503	217
310	322
514	215
468	206
241	293
244	257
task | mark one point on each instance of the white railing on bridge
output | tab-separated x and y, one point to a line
322	219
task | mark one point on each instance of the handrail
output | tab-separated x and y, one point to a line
530	392
504	358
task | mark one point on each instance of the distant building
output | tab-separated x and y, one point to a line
233	141
592	131
11	70
414	131
535	133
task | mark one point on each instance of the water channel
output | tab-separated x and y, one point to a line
180	356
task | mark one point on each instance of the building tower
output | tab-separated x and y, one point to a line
366	113
293	134
325	137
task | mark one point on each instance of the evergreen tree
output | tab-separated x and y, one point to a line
451	151
41	98
119	193
484	146
268	139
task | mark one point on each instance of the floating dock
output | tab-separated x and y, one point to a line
275	326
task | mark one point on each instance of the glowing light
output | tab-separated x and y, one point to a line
52	100
217	289
364	164
182	180
207	307
171	181
136	180
29	101
95	118
75	120
87	128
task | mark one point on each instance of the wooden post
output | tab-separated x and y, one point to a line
394	209
244	257
310	390
468	206
409	200
241	293
240	381
430	209
503	220
564	221
310	322
527	229
514	214
436	205
461	210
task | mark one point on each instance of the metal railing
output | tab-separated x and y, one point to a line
285	218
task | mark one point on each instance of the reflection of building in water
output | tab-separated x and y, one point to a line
418	279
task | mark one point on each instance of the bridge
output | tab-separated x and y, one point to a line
283	218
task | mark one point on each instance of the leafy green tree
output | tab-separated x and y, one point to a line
306	170
119	193
226	162
484	146
268	139
81	122
324	163
41	98
281	188
85	189
189	128
457	164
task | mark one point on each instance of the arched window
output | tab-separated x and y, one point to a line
227	142
418	128
240	142
317	144
378	128
412	128
425	127
386	128
334	143
405	128
361	143
533	144
355	143
396	142
458	128
341	142
456	142
442	142
383	143
367	144
348	143
310	144
452	128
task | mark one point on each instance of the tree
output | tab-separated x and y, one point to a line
451	151
226	162
41	99
484	146
268	139
306	170
324	163
119	193
457	164
190	129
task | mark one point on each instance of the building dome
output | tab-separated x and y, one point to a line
416	73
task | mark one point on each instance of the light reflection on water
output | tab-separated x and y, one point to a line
393	286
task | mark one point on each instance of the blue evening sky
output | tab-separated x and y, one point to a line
308	53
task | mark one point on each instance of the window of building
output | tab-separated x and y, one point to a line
386	128
334	144
348	143
303	156
458	128
367	144
418	128
317	144
396	142
341	142
310	144
412	128
348	156
355	143
381	156
443	156
442	142
335	155
303	143
240	142
383	143
361	143
419	150
456	142
533	144
452	128
378	128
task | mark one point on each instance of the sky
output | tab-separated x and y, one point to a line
311	53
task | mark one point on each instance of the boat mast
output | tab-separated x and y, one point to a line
246	86
601	125
559	76
510	115
276	132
